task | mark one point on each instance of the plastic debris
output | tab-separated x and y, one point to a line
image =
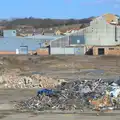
47	92
76	95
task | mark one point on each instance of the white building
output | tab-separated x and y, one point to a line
103	30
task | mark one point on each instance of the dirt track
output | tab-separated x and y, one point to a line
58	117
67	67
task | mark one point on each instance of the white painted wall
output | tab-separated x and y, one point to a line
118	35
60	42
69	51
65	51
102	34
55	51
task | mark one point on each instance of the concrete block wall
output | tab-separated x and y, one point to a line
43	51
95	51
102	33
108	50
7	52
114	51
96	33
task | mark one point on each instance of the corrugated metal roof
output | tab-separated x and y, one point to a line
11	44
45	37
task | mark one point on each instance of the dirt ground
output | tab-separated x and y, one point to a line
59	117
67	67
7	112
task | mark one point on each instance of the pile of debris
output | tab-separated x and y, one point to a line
82	95
12	80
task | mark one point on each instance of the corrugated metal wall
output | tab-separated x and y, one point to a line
76	40
43	51
68	51
60	42
11	44
62	51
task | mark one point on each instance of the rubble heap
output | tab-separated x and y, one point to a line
12	80
75	95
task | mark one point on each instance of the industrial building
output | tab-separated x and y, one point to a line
103	31
101	37
11	44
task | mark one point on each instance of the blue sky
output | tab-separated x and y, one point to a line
57	8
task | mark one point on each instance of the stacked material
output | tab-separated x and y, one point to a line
12	80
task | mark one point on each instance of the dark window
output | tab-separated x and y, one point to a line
100	51
111	48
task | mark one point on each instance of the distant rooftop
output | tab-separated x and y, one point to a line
44	37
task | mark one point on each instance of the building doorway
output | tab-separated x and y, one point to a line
23	49
101	51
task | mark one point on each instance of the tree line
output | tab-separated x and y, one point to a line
46	23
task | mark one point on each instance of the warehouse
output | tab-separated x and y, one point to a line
68	45
103	31
11	44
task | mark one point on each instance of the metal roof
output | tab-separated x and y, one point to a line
44	37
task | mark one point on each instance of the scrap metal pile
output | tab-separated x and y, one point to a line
81	95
